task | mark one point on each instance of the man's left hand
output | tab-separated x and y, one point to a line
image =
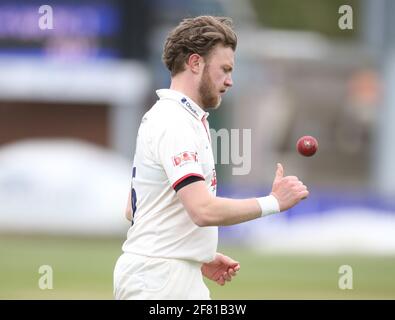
221	269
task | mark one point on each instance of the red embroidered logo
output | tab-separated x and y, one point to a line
184	157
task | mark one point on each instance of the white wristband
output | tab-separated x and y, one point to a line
269	205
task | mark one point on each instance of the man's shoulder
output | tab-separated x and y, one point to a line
167	114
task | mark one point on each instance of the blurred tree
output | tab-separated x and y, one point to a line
314	15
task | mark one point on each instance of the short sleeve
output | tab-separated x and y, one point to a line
178	153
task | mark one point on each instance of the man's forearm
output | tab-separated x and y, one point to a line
208	210
224	211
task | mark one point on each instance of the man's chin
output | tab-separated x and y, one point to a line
216	104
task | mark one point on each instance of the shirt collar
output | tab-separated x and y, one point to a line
187	103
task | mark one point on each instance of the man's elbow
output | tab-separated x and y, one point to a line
201	217
198	203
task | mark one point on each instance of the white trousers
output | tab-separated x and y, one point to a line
139	277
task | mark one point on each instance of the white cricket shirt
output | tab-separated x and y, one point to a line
173	143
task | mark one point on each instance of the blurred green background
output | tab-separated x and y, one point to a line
82	269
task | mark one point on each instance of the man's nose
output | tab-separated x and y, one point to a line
229	81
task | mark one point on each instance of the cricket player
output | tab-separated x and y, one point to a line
173	208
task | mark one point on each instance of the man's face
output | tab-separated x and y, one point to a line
216	77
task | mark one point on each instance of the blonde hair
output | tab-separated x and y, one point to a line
196	35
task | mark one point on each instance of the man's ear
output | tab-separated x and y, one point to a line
195	63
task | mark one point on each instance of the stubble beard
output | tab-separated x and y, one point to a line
208	97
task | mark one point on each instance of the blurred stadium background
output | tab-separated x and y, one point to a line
71	99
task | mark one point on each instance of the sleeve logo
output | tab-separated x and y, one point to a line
183	158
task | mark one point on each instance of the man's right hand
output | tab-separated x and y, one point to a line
288	190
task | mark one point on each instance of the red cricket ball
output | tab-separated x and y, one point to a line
307	146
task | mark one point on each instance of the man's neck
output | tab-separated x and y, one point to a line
183	85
